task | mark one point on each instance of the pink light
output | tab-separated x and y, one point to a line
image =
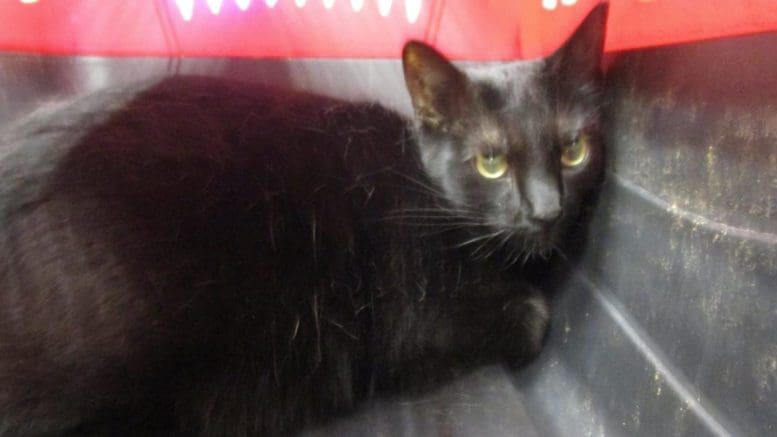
243	4
271	3
329	3
384	7
214	6
413	10
357	5
113	28
186	8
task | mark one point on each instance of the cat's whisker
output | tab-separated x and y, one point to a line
547	252
501	246
438	211
433	221
488	253
427	186
439	218
478	238
430	215
410	221
498	245
517	253
529	252
560	252
507	237
474	253
508	259
453	227
412	189
443	217
437	230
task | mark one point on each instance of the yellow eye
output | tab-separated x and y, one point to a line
575	153
491	166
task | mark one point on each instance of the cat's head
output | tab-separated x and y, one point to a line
515	146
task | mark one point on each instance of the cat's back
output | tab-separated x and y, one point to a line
187	114
175	164
174	137
117	208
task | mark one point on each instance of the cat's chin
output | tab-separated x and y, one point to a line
539	247
523	247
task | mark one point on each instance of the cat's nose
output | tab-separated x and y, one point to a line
544	202
545	213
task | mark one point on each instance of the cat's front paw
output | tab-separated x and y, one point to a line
527	319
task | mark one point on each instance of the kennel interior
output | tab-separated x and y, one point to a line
668	323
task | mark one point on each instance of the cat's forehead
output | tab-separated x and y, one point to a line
511	89
522	108
514	79
517	73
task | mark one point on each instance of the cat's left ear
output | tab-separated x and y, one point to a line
578	61
438	90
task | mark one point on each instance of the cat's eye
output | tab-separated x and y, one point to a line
576	152
492	165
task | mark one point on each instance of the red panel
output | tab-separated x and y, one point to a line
109	27
464	29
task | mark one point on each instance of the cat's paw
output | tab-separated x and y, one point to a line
528	317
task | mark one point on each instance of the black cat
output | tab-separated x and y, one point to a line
215	258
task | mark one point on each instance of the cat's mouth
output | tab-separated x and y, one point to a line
538	237
514	245
537	243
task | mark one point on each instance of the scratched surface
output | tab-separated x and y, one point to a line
667	324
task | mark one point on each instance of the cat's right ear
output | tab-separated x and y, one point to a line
577	63
437	89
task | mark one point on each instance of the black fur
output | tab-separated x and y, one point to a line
215	258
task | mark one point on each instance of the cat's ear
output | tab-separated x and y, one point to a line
578	61
437	89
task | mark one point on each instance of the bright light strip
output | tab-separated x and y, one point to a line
243	4
357	5
384	7
186	8
300	3
413	10
214	6
271	3
329	3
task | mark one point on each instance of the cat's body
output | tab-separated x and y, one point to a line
225	259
